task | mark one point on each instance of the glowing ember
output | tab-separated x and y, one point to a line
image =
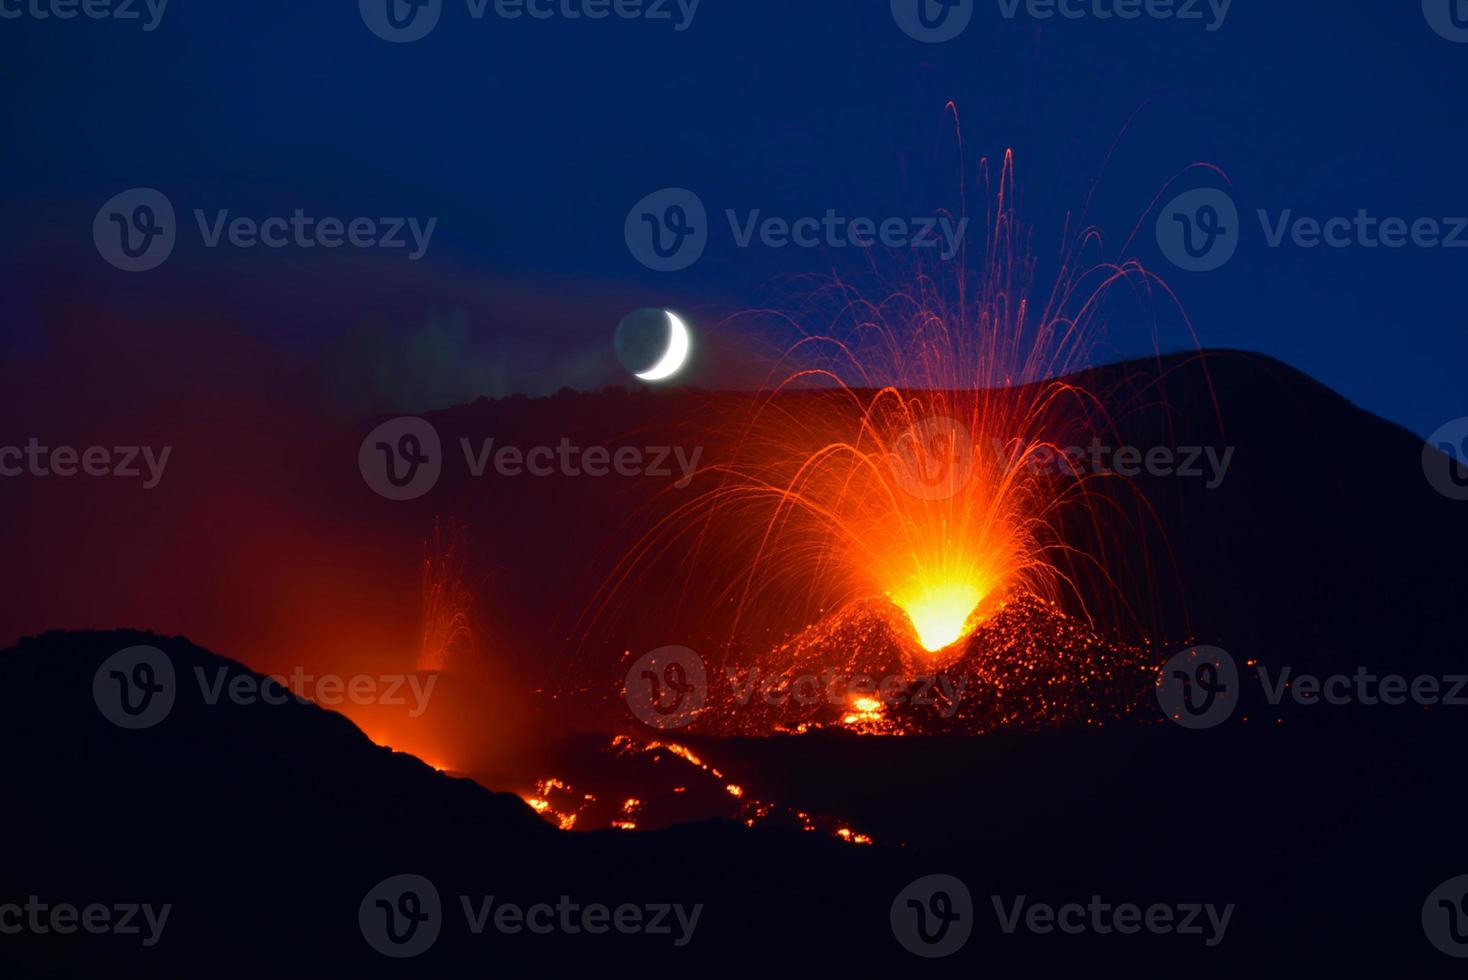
555	800
660	769
868	711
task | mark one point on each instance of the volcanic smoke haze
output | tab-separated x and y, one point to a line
255	537
261	536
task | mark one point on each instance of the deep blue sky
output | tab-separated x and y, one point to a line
531	140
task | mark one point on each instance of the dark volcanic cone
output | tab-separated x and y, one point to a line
1028	666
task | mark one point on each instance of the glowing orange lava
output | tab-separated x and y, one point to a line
939	610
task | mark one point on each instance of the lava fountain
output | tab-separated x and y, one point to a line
446	626
905	446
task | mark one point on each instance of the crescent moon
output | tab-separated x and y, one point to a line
676	354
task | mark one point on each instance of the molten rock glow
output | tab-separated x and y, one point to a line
1023	665
939	610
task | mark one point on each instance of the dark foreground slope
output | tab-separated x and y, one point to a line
265	827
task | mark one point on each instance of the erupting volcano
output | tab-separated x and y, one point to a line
900	457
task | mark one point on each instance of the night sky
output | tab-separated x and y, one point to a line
530	140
